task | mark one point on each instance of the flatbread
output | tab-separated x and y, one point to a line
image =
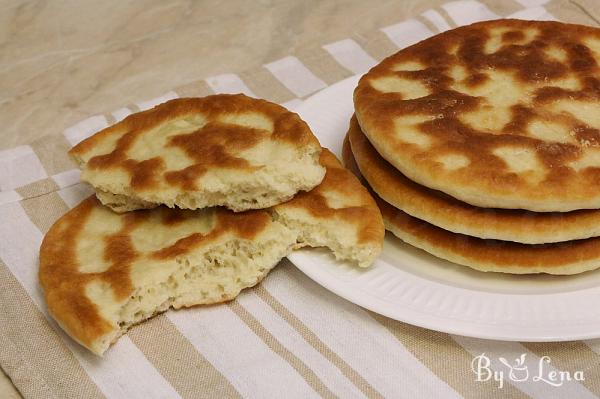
571	257
451	214
498	114
229	150
103	272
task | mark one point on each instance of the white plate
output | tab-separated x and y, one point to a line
410	285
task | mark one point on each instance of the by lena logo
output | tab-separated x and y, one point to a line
518	371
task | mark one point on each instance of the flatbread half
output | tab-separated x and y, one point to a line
228	150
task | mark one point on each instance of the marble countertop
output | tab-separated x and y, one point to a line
61	62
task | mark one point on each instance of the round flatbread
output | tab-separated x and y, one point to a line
571	257
498	114
451	214
103	272
229	150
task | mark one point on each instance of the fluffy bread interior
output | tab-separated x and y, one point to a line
215	276
266	187
220	272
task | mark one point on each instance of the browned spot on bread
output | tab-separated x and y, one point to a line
512	36
144	174
476	79
287	127
214	145
244	225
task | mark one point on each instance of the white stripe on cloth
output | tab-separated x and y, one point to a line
367	346
85	128
67	178
121	114
436	19
228	83
407	33
351	56
330	375
294	75
239	354
292	104
464	12
144	105
124	371
9	196
19	166
73	195
511	351
534	13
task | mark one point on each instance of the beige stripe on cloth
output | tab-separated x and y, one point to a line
322	64
585	12
303	370
194	89
445	358
39	347
52	152
37	188
561	356
502	8
376	44
179	362
310	337
265	85
44	210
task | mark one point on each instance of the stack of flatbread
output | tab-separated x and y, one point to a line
483	145
196	199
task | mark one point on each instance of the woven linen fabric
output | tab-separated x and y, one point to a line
287	337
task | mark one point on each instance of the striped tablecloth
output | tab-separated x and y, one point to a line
287	337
